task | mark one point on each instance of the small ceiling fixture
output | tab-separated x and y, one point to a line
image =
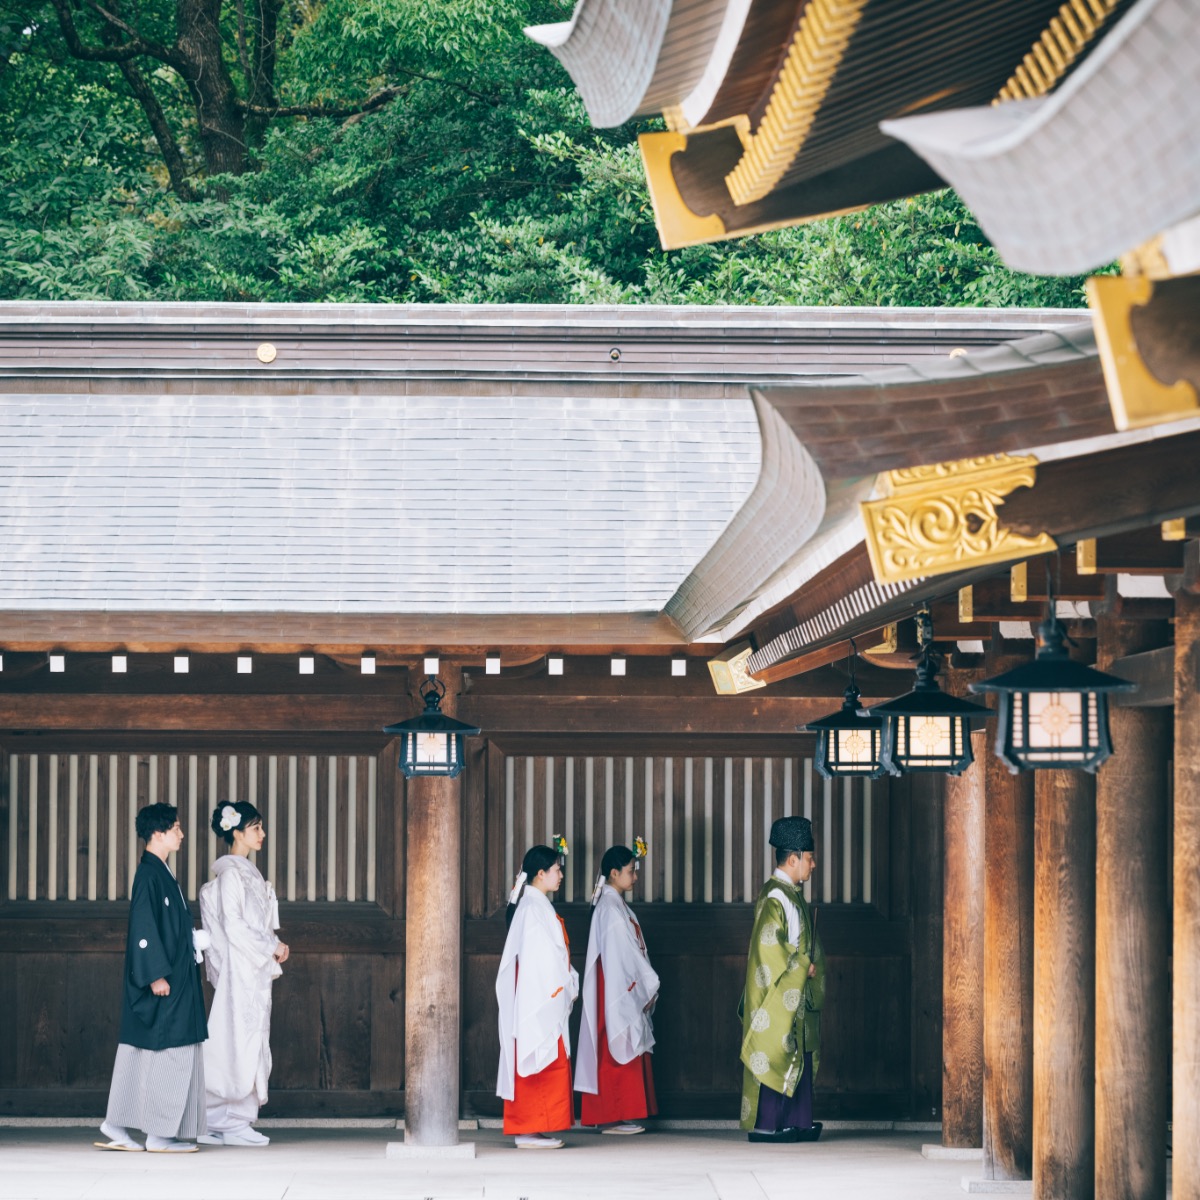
926	730
431	744
849	741
1053	711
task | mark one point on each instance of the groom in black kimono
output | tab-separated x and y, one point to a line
158	1079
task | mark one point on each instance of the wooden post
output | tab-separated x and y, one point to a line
433	953
1007	972
962	961
1132	986
1064	985
1185	1085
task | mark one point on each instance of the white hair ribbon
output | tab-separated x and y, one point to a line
230	818
518	887
598	889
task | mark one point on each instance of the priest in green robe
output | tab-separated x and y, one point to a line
784	993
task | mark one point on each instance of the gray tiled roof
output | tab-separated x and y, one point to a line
1065	183
364	503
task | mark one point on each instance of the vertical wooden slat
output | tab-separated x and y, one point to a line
689	875
293	818
93	841
112	811
589	816
762	832
709	849
553	811
73	829
272	820
331	828
14	792
372	810
847	840
510	787
827	840
32	829
248	787
808	812
129	821
656	823
868	833
352	818
652	791
727	831
52	831
609	801
310	828
213	779
746	859
664	820
630	779
582	791
531	827
64	850
569	823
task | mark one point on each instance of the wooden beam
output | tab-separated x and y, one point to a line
1113	491
806	662
1138	552
962	961
394	637
1154	673
1133	1041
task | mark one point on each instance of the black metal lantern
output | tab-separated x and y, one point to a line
1053	711
431	744
849	742
926	729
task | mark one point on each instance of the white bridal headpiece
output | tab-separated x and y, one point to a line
230	818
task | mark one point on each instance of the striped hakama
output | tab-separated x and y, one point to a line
160	1092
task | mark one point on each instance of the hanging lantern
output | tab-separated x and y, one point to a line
849	741
431	744
926	729
1053	711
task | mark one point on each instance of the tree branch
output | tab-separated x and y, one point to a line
123	52
462	87
375	102
172	158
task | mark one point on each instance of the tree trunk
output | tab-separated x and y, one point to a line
220	123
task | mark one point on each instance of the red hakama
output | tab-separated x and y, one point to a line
541	1103
626	1092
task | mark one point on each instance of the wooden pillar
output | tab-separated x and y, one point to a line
1007	971
1185	1085
962	955
1064	985
433	952
1132	986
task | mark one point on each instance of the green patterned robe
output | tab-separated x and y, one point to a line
781	1006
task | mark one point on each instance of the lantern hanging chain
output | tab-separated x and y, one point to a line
432	691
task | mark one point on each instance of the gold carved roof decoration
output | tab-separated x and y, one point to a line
945	517
812	60
1061	43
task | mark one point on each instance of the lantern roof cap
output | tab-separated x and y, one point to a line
1051	673
850	716
925	701
432	721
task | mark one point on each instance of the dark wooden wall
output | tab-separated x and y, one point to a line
338	1028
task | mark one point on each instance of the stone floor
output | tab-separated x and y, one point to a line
317	1164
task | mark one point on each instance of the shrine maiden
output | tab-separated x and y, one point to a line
158	1078
536	989
620	987
784	995
241	914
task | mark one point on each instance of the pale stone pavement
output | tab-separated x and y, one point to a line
320	1164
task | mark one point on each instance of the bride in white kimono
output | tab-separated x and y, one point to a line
241	913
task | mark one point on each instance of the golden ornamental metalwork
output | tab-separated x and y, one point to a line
1061	43
945	517
1136	395
812	61
728	671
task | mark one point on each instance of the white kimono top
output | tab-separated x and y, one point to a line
536	1000
630	984
241	913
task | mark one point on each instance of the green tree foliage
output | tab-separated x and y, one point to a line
474	178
